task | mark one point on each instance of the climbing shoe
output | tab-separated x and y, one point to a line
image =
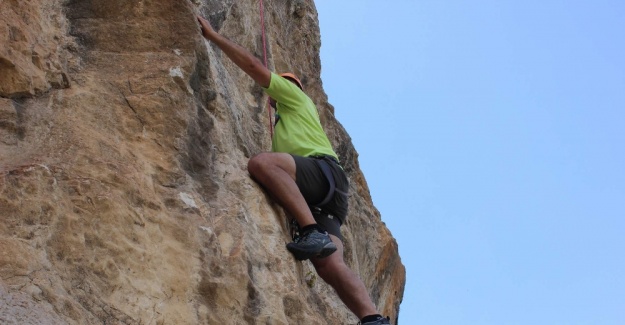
379	321
312	244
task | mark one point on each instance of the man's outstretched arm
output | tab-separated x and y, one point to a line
240	56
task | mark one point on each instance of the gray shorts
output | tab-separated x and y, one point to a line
314	186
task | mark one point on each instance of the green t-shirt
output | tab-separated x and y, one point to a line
298	130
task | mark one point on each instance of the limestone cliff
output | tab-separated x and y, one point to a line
124	194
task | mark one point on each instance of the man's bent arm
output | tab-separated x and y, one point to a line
240	56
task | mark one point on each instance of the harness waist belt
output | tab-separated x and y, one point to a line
322	157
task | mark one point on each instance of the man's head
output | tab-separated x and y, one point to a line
290	77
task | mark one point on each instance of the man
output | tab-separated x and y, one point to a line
299	174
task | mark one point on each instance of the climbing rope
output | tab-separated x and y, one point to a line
262	27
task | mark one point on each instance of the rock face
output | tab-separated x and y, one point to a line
124	194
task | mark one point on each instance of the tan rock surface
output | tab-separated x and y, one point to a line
124	194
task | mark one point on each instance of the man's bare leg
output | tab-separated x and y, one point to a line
347	284
276	172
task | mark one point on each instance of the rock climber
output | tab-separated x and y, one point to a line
299	174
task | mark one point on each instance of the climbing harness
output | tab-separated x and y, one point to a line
324	163
262	27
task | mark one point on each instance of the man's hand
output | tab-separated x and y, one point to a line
207	29
240	56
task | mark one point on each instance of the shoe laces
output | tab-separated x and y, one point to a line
304	236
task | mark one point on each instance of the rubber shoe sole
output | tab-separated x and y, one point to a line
381	321
302	254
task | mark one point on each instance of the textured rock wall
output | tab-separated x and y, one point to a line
124	195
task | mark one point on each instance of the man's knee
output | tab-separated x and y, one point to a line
329	267
262	163
256	164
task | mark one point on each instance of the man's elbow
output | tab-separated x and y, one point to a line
260	74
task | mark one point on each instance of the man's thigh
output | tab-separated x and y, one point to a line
264	160
329	223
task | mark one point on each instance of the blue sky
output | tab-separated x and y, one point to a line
492	137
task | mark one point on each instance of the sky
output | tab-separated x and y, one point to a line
492	137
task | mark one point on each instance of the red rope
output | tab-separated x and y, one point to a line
262	26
